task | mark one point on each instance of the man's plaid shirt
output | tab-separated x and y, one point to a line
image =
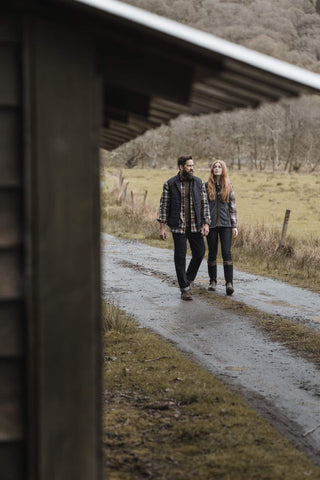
205	213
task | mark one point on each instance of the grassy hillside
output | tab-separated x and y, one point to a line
285	29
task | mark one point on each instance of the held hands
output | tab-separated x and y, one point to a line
205	230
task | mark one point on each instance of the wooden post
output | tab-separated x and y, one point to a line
284	228
62	260
125	191
121	178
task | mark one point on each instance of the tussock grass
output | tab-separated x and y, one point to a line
113	319
127	216
256	249
167	418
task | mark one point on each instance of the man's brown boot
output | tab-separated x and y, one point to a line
186	295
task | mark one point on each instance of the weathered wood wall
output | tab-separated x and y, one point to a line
61	165
12	298
50	353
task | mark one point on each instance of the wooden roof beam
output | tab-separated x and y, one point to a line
142	72
125	100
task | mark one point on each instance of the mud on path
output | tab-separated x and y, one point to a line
282	386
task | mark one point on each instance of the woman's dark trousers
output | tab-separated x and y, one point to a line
225	235
196	242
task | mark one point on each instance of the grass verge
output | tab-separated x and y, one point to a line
167	418
294	336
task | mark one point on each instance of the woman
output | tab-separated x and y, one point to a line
223	225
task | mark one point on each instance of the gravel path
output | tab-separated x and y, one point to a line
283	387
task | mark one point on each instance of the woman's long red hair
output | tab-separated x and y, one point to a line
224	182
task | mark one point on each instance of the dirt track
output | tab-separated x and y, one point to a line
283	387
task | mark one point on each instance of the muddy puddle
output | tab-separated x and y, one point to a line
282	386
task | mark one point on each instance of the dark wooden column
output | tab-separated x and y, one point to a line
61	172
12	299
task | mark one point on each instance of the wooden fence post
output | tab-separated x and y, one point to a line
125	191
284	228
121	178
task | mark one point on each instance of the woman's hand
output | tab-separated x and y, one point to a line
234	232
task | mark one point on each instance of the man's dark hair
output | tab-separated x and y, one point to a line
182	160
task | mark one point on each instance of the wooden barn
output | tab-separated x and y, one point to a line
76	75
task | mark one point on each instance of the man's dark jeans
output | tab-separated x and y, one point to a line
197	246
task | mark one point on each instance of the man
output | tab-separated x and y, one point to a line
184	208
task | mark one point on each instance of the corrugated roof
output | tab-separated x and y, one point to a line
155	69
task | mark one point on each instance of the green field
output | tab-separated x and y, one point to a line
262	198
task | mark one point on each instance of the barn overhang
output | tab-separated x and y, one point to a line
155	69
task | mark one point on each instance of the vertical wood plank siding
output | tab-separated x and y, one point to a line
50	338
12	312
63	275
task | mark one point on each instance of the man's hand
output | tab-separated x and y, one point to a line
163	234
235	232
205	230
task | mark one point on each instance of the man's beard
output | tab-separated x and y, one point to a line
187	175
